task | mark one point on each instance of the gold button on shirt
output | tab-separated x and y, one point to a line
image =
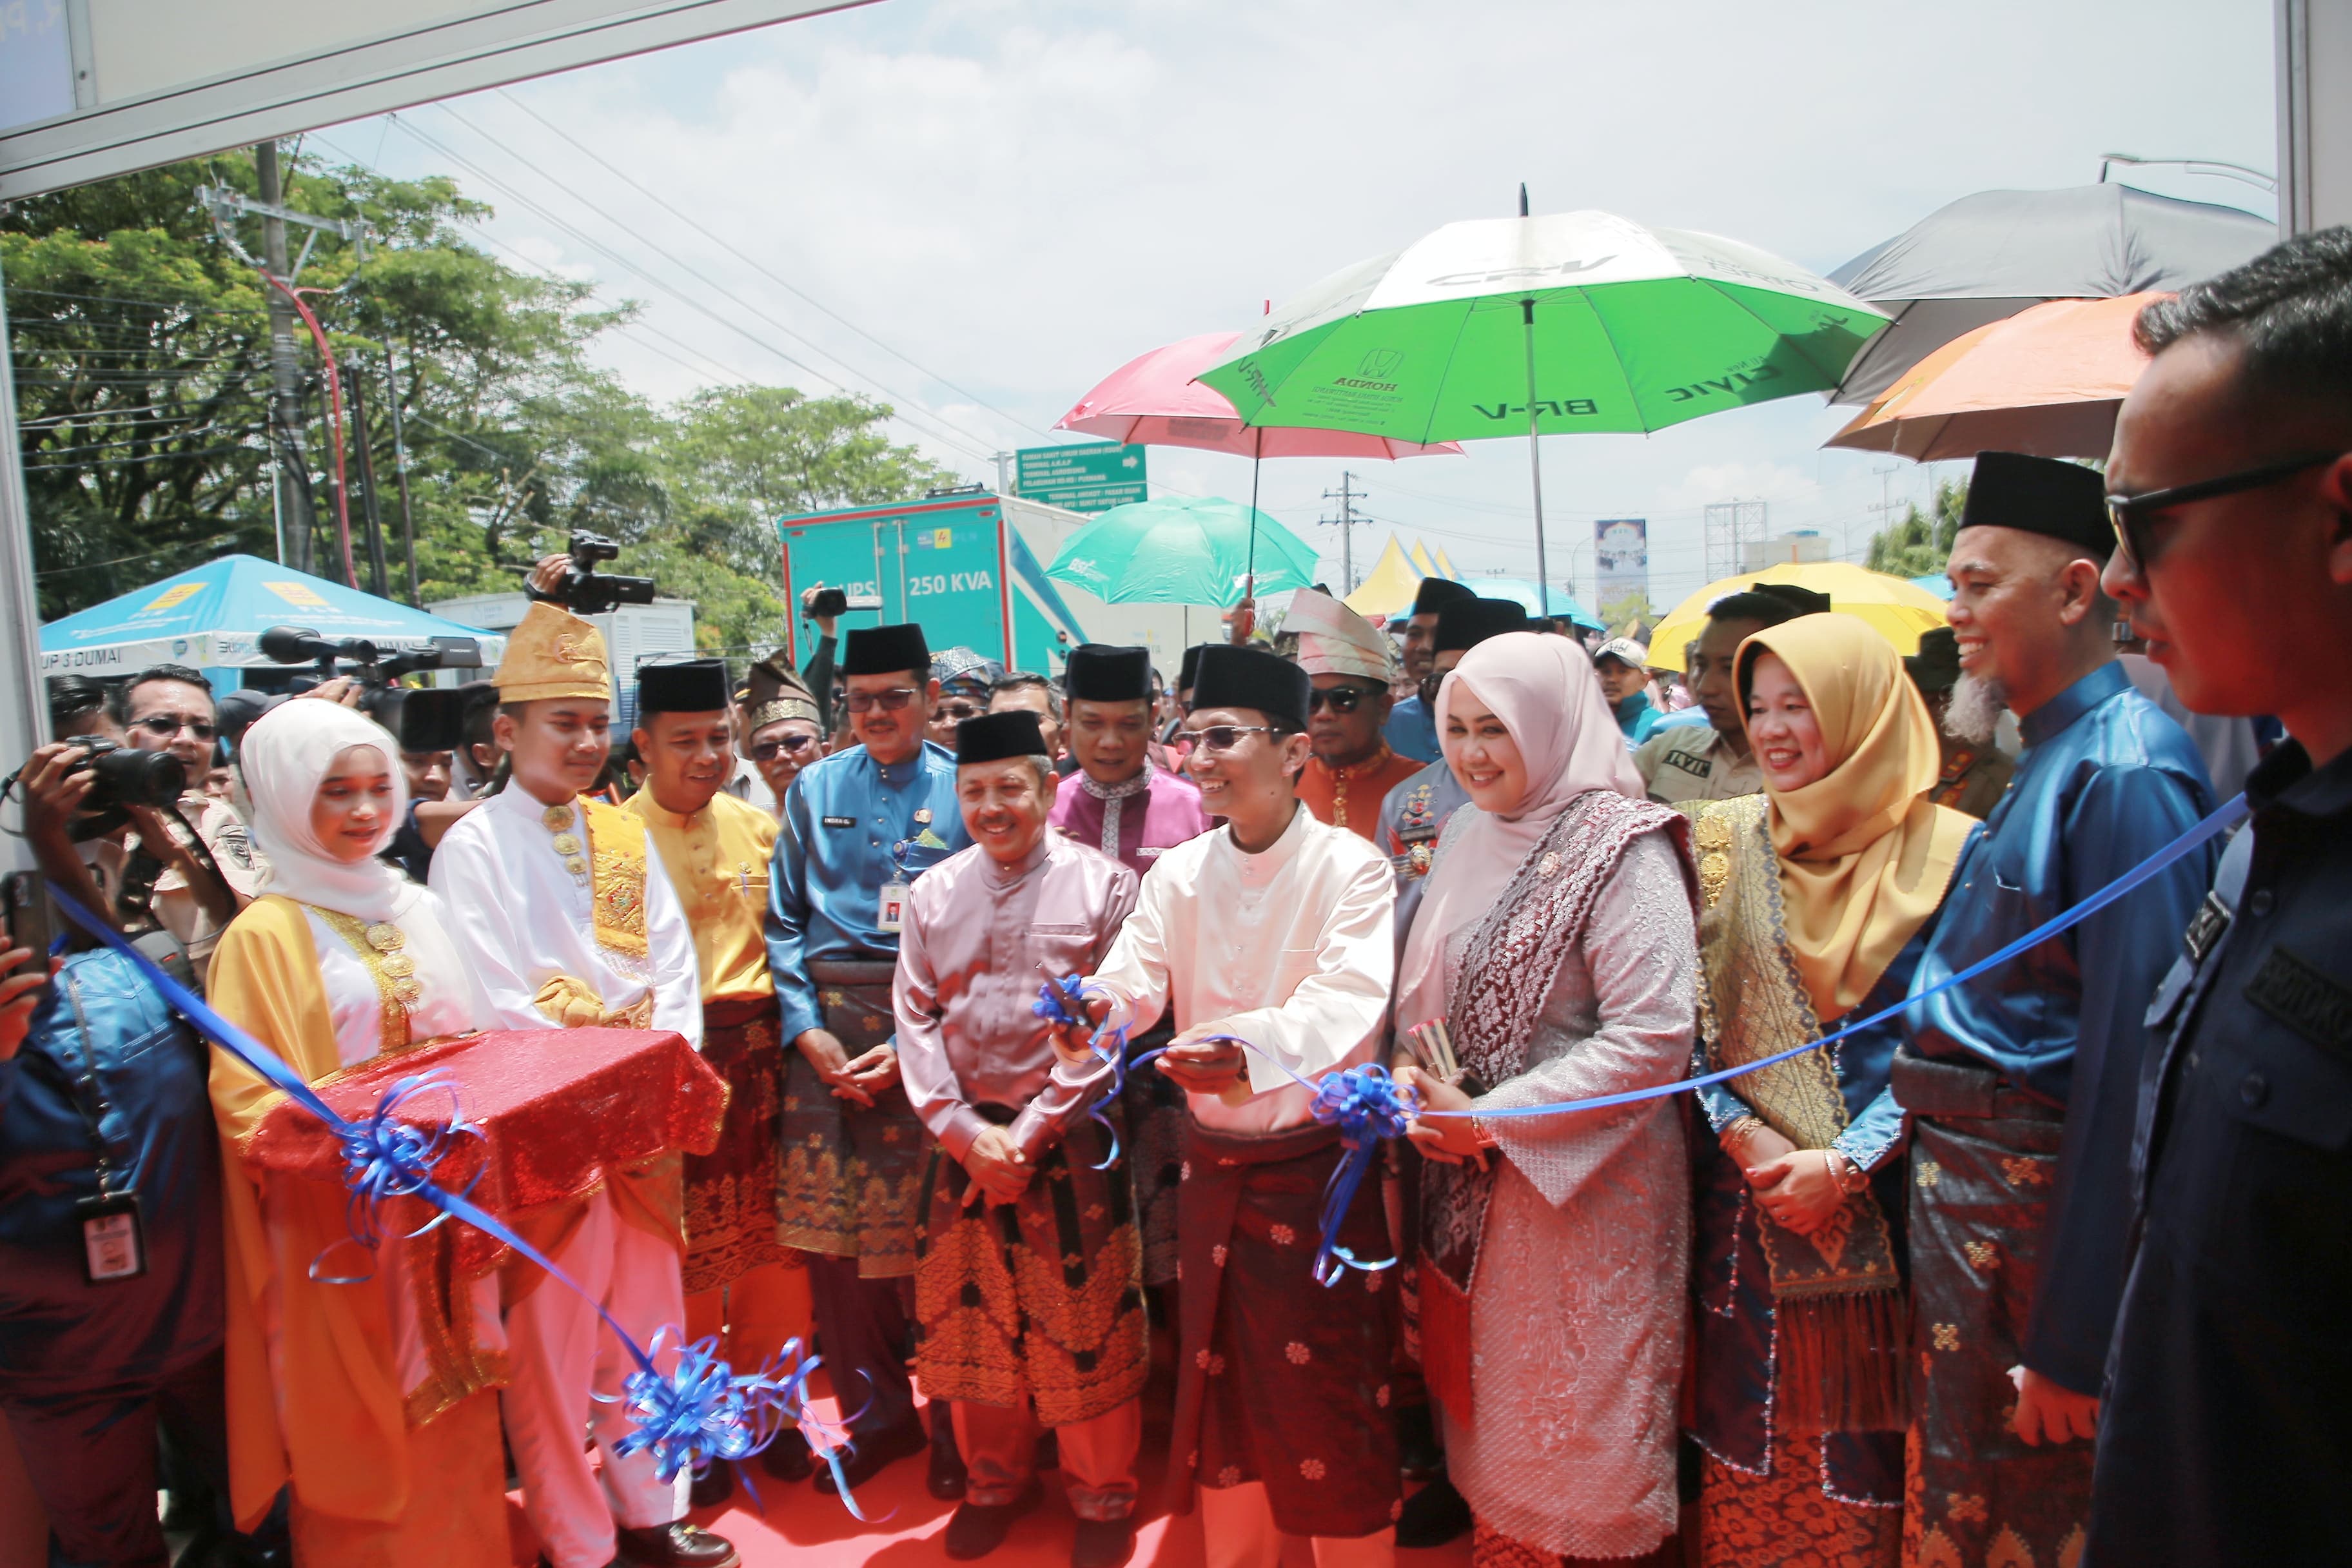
716	860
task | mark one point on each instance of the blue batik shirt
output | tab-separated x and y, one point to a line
2105	781
851	824
1412	730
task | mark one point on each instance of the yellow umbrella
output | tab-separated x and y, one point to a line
1898	610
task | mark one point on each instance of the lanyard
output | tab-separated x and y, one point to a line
87	1091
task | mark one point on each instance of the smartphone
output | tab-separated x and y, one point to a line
32	922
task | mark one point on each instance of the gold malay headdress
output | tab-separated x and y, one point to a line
554	653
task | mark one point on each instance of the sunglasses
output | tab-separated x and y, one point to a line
1339	699
890	701
1221	737
959	711
765	750
169	724
2133	517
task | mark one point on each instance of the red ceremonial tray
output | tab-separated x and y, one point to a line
559	1108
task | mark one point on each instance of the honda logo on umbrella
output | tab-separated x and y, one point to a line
1381	364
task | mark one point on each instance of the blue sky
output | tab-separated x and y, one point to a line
1016	196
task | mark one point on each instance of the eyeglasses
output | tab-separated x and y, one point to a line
959	711
2132	516
890	701
765	750
166	725
1221	737
1339	699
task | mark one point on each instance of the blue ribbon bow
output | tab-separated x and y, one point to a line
699	1412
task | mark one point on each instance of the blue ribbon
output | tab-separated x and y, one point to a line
699	1412
1059	1001
1368	1105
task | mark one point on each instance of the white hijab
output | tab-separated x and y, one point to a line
285	757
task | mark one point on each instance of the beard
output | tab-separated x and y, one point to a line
1975	709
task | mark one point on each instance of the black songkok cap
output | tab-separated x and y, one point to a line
1465	623
1803	601
1189	669
2040	495
993	737
1435	592
887	650
1936	666
1232	677
682	686
1098	672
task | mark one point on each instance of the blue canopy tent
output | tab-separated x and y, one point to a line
1936	583
213	615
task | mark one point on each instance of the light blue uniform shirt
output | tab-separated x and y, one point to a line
1412	730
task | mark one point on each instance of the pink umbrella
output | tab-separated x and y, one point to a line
1153	399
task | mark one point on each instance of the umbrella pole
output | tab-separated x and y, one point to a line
1534	460
1249	580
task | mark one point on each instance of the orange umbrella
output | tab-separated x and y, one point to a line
2047	381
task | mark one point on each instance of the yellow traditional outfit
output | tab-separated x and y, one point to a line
740	1283
367	1398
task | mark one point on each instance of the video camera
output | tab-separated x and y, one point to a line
121	777
359	659
586	592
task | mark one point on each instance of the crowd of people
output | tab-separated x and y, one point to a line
2038	1259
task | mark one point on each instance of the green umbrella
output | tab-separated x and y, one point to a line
1182	551
1569	322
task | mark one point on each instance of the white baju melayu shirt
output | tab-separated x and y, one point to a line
1291	950
523	919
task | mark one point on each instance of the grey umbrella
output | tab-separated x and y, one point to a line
1993	254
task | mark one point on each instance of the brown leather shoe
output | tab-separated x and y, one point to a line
979	1529
679	1545
1102	1543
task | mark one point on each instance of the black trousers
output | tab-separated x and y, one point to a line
92	1462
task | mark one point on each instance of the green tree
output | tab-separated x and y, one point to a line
1917	544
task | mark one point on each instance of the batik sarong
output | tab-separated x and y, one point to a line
1279	1379
1153	1108
1037	1300
1983	1161
847	1180
731	1193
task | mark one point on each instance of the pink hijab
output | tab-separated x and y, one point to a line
1543	689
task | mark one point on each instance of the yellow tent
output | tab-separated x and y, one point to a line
1389	588
1421	560
1445	564
1899	611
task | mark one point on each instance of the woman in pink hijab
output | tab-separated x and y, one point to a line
1557	940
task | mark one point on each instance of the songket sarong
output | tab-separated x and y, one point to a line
846	1183
1984	1159
1037	1300
1153	1108
731	1193
1279	1379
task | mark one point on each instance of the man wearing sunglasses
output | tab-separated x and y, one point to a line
2223	1438
782	726
2021	1084
1350	665
859	828
1277	929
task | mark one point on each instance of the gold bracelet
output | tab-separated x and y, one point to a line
1739	1130
1854	1179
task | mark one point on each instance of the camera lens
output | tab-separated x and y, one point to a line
126	778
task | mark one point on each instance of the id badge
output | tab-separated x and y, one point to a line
112	1246
892	911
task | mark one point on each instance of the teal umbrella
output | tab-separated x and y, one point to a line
1567	322
1182	551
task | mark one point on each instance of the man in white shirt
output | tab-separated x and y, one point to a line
570	921
1275	928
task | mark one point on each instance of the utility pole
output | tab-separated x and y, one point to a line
1003	473
379	583
400	472
294	500
1348	496
1885	507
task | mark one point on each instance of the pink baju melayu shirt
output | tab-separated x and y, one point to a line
979	940
1136	822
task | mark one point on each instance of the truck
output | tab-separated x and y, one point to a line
968	567
633	633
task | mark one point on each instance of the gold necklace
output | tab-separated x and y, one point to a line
383	947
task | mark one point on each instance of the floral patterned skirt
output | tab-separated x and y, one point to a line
1784	1518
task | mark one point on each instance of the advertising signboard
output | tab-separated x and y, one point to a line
1621	552
1087	478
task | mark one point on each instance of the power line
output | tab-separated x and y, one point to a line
757	267
971	445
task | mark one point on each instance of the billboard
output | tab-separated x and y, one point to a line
1621	555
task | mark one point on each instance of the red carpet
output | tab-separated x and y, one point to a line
800	1528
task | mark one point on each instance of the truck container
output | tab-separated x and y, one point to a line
968	567
632	633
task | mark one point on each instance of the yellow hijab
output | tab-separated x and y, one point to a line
1865	857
